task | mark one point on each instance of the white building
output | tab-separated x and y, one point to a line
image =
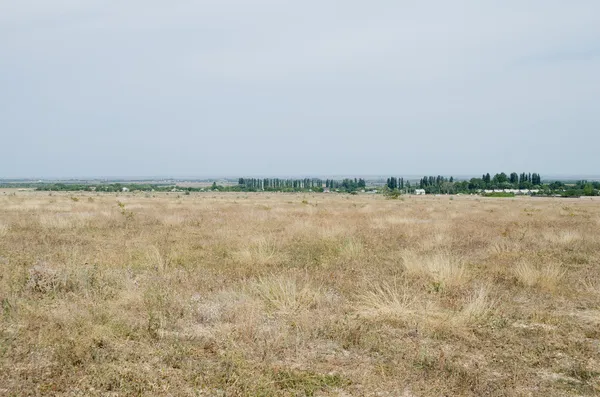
419	192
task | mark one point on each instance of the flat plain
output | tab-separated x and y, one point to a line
298	294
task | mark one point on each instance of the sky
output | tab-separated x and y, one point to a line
312	87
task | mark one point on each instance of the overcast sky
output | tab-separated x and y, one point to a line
275	87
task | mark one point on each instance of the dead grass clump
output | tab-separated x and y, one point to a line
440	238
288	295
86	281
591	286
312	252
351	249
563	237
386	300
263	251
44	278
478	307
159	257
442	268
543	276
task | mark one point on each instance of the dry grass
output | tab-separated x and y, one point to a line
442	268
387	300
479	306
351	249
3	229
285	294
545	276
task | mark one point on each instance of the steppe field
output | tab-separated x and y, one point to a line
224	294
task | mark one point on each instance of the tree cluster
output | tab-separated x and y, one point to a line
440	184
394	183
277	184
579	188
347	184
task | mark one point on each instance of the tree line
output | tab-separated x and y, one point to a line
393	185
277	184
440	184
346	184
298	185
501	181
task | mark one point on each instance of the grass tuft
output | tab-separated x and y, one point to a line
543	276
442	268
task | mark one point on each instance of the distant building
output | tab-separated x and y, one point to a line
419	192
125	189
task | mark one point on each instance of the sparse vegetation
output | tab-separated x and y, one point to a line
267	295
